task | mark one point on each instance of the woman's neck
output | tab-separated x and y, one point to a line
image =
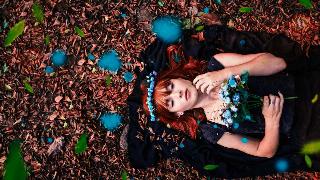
205	100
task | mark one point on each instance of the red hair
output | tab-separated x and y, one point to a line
186	68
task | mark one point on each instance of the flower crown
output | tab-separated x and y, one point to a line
151	81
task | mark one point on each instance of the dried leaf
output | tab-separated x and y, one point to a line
14	32
81	62
58	99
56	145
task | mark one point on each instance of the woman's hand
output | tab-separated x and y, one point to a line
272	109
209	80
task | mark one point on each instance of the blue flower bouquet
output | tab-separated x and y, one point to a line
234	92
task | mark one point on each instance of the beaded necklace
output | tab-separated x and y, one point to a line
214	115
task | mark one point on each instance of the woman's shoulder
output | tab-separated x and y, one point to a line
211	131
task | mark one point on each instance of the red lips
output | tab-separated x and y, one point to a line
186	94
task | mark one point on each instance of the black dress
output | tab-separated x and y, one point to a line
150	142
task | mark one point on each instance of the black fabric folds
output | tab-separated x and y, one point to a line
144	152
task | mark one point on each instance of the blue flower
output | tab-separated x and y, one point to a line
221	96
229	121
227	100
248	117
233	108
225	93
225	87
236	98
226	114
236	125
232	82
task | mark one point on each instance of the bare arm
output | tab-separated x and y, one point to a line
267	147
261	64
261	148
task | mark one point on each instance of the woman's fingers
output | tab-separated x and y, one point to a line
265	101
204	86
272	100
281	100
197	78
209	89
199	83
277	105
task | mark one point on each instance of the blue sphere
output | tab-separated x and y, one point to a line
281	165
49	70
167	28
50	140
59	57
110	61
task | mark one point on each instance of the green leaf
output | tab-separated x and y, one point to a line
245	9
108	80
47	40
124	175
314	99
308	161
306	3
14	32
38	12
199	28
160	3
79	31
14	167
312	147
27	86
210	167
5	68
82	144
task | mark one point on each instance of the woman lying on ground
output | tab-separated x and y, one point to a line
277	130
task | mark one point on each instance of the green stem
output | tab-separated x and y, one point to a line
293	97
256	104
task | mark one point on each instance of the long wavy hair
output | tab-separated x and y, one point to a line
187	68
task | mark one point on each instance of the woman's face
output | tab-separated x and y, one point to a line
183	95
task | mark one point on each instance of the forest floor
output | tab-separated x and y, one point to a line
66	104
